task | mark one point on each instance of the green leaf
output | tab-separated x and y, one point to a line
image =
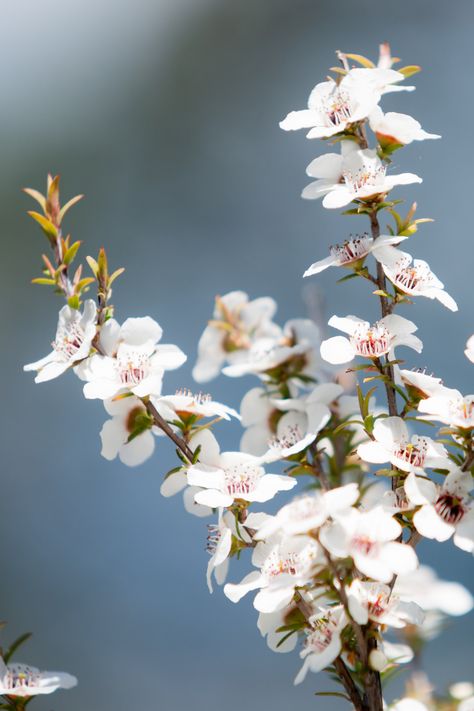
44	281
285	637
116	274
347	277
409	70
93	265
48	228
36	195
71	252
15	645
68	205
74	302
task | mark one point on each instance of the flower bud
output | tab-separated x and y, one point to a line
377	660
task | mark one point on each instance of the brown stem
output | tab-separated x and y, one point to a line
349	685
163	425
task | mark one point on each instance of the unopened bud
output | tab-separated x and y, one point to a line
377	660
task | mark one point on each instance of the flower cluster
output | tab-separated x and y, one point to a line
335	568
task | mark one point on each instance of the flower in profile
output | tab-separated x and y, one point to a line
219	544
445	511
392	443
133	360
25	681
420	384
185	404
73	342
413	276
394	130
368	341
332	107
364	178
236	324
469	352
450	407
327	170
369	538
323	641
352	252
129	434
285	563
374	601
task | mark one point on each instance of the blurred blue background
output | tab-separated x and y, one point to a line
165	113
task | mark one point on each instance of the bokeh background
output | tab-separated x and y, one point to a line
165	113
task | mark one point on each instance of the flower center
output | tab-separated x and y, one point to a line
413	453
291	436
276	564
352	250
410	278
462	412
372	341
378	604
21	676
68	341
241	479
363	544
364	178
450	508
321	637
133	368
337	108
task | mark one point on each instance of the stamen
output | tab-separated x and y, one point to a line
337	108
199	398
372	341
352	249
21	676
413	453
242	479
365	178
291	436
450	508
68	341
133	369
213	538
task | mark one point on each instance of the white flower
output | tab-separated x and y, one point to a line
333	107
413	277
369	341
364	178
23	680
419	384
328	170
236	324
73	342
383	78
374	601
309	511
394	128
352	252
129	416
446	510
369	539
323	643
303	419
469	352
295	349
433	594
235	476
449	407
392	443
133	360
186	403
285	563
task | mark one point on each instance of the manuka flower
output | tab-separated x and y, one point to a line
392	443
237	323
323	642
374	601
73	342
393	129
450	407
328	170
185	404
128	434
368	341
133	360
352	252
25	681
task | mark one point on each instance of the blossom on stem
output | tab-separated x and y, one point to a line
369	538
352	252
420	384
368	341
186	403
323	642
450	407
25	681
374	601
236	324
133	360
447	510
392	443
364	178
73	342
393	129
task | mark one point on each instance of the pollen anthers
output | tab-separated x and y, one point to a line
364	178
352	250
277	564
371	341
321	635
132	368
450	508
68	340
411	278
413	453
288	439
378	602
21	676
199	398
242	479
337	108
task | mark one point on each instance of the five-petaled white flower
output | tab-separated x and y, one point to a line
450	407
413	276
369	538
333	107
133	360
393	129
364	178
323	642
73	342
392	443
374	601
236	324
369	341
352	252
128	434
446	510
23	680
285	563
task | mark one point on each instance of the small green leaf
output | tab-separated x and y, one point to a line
93	265
44	281
36	195
48	228
68	205
71	252
15	645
